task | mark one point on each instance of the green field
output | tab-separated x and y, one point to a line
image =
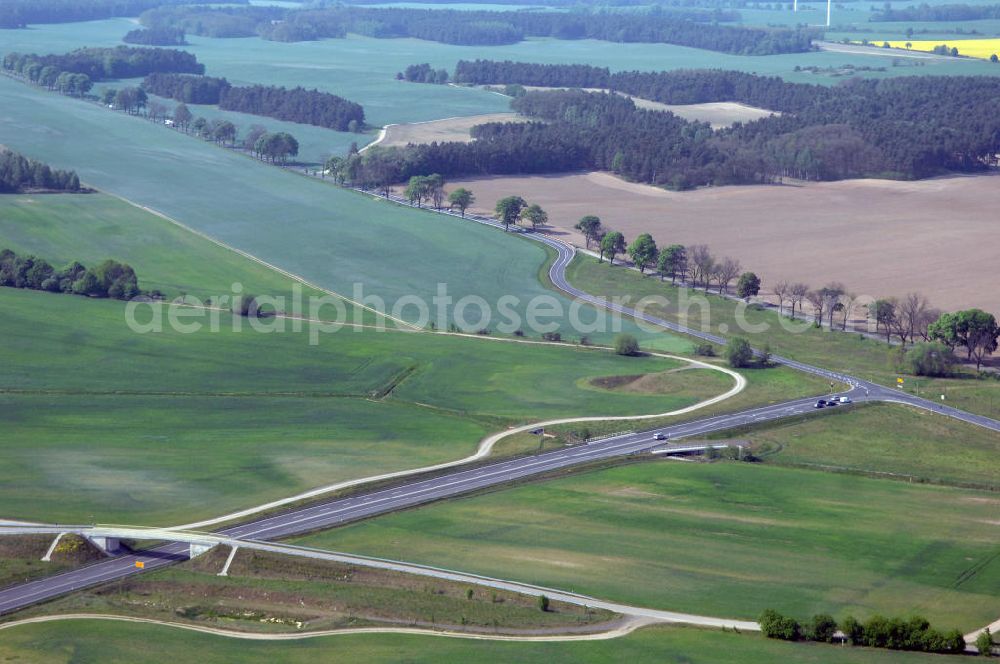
163	426
83	641
885	438
274	593
335	238
852	353
724	539
91	227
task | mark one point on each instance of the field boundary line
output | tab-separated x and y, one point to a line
259	261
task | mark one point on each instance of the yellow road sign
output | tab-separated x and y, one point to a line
140	564
899	380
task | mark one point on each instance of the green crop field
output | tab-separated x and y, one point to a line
885	438
92	227
335	238
84	641
852	353
724	539
158	426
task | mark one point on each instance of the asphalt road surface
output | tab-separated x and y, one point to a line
336	512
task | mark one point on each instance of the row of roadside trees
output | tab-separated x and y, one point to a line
274	147
694	265
909	319
915	633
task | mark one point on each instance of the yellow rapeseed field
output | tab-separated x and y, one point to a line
973	48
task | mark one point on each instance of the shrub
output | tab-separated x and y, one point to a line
822	628
930	359
543	603
984	642
739	354
853	630
773	625
626	344
705	350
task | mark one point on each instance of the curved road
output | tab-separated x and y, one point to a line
339	511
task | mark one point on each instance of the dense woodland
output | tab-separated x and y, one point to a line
925	12
680	86
186	88
697	28
18	174
155	37
219	22
907	127
296	105
20	13
103	63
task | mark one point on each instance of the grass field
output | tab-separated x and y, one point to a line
272	593
92	227
725	539
860	356
885	438
87	641
156	427
764	386
335	238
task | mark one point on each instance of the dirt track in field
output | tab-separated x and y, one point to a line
939	237
718	113
450	129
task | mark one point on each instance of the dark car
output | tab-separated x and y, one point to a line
820	404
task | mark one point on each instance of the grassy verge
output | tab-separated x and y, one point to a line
87	641
851	353
267	592
21	556
884	440
764	386
717	539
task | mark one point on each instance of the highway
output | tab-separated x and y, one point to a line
336	512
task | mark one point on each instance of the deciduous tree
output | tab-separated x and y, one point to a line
612	244
461	198
508	210
590	226
643	251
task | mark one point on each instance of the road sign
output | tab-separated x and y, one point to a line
140	564
899	381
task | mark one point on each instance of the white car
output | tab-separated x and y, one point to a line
845	399
659	435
